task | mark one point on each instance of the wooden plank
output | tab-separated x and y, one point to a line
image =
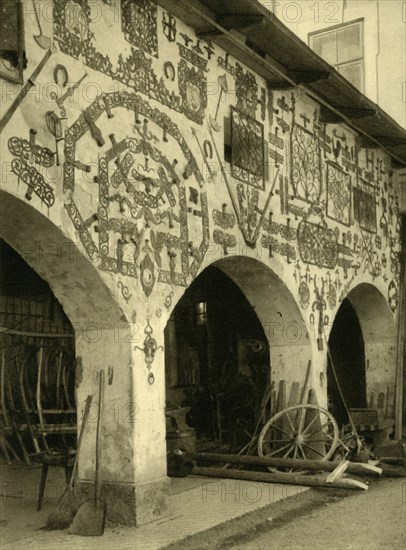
283	421
306	382
294	394
281	401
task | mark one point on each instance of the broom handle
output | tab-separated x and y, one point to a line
82	429
98	434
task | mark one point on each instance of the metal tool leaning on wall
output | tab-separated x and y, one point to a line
91	517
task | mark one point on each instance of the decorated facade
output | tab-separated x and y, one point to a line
136	153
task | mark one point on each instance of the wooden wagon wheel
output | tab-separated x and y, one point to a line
300	431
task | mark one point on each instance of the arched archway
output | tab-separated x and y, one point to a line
73	279
346	363
93	311
362	345
235	303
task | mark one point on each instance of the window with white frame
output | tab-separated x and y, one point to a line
343	47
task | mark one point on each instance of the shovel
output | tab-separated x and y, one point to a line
43	41
90	518
61	517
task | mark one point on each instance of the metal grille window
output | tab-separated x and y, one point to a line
343	47
12	57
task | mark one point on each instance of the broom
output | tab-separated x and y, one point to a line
61	517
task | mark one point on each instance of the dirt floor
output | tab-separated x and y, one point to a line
318	519
311	520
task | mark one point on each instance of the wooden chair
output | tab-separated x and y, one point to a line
58	453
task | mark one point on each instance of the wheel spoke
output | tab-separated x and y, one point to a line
290	422
314	450
319	428
314	425
276	441
291	448
279	429
308	426
279	450
302	451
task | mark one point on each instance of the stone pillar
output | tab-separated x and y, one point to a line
133	461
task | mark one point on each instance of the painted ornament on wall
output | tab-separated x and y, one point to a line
393	296
142	216
306	174
317	245
247	149
246	91
139	24
169	26
192	89
74	36
29	157
365	205
338	194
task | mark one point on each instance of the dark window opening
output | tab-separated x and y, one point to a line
12	55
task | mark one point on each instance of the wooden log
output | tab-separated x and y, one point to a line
387	471
286	479
338	472
295	463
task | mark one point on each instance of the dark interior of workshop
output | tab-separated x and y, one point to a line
347	353
217	362
37	364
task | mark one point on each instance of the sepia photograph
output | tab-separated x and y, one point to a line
202	275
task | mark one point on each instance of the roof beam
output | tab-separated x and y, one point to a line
390	141
239	21
386	141
305	77
365	142
330	117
